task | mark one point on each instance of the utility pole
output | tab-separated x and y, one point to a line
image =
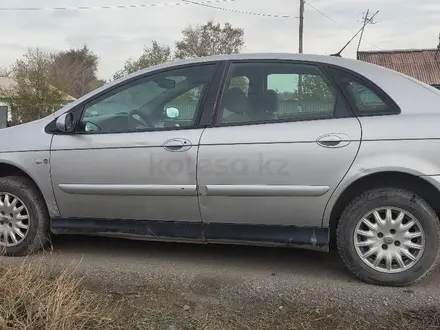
367	20
437	53
438	47
301	24
362	33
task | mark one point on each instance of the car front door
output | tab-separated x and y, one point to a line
133	157
280	146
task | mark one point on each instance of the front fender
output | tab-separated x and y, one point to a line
35	164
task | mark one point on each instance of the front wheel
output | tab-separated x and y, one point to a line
24	220
389	236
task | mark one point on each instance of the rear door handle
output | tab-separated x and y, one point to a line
333	140
177	144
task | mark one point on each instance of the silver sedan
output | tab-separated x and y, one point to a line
314	152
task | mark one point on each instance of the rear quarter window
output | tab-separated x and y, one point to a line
366	98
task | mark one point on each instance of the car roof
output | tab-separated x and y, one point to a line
252	56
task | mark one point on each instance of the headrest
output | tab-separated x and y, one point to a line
270	102
235	100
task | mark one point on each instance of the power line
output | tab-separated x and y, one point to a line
331	19
323	14
404	34
183	2
205	4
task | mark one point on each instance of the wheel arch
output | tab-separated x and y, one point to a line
10	169
414	183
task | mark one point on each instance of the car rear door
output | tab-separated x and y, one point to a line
283	140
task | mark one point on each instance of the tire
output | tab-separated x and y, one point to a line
398	200
37	234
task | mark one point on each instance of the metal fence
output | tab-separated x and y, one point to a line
293	107
187	110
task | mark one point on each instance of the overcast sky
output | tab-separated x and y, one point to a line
117	34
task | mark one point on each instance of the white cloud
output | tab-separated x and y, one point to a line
117	34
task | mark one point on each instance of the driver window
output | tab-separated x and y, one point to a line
168	99
187	104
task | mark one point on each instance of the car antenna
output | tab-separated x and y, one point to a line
338	54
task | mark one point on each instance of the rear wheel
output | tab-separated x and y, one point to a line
389	236
24	221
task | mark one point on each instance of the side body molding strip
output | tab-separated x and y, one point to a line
264	190
129	190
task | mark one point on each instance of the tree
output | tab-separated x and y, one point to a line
75	71
315	89
4	72
32	97
209	39
156	54
287	96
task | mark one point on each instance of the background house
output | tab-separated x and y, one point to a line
5	112
422	64
5	109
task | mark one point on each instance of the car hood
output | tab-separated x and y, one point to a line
26	137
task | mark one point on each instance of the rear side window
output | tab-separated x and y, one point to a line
368	99
271	92
303	93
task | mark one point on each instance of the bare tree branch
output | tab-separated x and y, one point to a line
209	39
156	54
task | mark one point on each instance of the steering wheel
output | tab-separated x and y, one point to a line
145	121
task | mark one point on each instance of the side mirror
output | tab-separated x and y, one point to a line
65	123
172	113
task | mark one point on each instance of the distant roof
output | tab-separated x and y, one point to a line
6	82
422	64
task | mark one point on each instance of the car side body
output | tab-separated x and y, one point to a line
282	182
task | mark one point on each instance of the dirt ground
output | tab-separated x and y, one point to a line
186	286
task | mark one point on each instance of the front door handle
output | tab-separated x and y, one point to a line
177	144
333	140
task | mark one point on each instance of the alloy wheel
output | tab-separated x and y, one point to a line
14	220
389	240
